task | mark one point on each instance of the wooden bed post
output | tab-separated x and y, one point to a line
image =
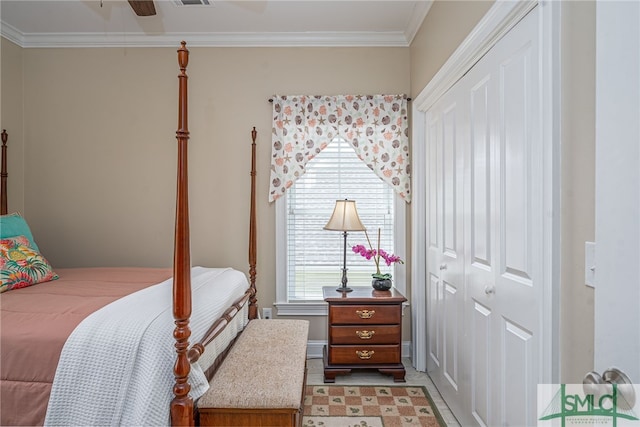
3	175
182	404
253	250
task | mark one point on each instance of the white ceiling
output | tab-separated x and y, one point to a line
87	23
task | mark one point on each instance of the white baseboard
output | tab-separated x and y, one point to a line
314	349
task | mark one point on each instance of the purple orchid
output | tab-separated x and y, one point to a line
376	254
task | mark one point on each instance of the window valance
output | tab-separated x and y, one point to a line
374	125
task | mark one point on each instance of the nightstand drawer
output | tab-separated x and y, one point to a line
365	335
364	355
365	314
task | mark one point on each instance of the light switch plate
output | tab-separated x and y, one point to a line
590	264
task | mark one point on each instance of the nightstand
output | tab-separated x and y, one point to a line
364	332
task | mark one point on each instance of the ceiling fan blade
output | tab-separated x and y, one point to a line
143	7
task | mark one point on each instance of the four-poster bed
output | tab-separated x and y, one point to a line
78	288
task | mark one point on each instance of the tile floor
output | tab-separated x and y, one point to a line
413	377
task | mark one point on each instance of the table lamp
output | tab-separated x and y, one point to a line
344	218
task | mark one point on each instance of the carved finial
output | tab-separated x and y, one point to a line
254	134
4	136
183	56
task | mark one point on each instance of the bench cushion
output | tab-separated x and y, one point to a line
264	369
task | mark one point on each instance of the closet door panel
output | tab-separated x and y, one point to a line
515	160
480	363
518	358
434	304
433	184
449	184
452	302
480	154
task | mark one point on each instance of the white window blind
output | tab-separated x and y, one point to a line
315	255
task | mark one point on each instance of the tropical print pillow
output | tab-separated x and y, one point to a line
21	265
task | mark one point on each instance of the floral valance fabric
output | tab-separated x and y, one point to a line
374	125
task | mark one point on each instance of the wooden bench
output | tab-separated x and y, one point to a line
262	380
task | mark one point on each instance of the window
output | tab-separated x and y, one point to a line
310	257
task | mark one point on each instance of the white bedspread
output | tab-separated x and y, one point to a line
116	368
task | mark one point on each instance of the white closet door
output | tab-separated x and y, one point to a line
505	259
484	252
481	240
445	246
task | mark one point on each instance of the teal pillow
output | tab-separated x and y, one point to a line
14	225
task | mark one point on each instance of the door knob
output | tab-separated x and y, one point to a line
489	290
599	385
625	388
443	266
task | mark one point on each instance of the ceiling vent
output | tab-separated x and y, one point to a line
193	2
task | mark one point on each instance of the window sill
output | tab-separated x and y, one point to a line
312	308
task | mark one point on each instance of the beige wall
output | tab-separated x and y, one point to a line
578	187
100	147
12	119
447	24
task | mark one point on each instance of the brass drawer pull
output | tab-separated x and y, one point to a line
365	335
365	354
365	314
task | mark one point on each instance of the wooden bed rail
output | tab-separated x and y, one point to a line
198	349
3	175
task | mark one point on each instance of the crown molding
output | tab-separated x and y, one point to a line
417	18
10	33
302	39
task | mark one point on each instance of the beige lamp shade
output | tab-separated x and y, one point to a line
345	217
